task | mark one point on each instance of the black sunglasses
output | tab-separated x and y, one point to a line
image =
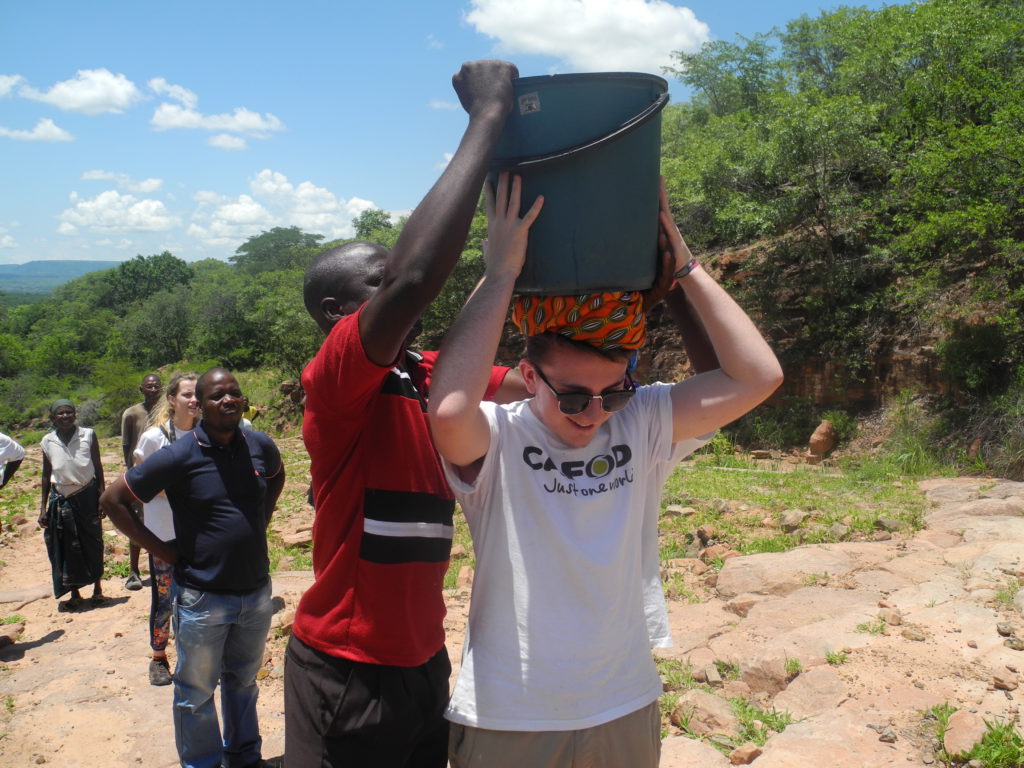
571	403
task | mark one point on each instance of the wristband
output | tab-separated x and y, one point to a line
691	265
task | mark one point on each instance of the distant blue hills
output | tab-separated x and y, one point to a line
44	276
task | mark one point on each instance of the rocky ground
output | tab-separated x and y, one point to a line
908	624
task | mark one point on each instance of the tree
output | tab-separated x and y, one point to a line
157	332
271	250
729	77
141	277
370	221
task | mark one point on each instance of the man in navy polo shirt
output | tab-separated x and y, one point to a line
222	484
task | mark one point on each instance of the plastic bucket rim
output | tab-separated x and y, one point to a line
619	132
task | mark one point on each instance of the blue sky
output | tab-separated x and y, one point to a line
131	127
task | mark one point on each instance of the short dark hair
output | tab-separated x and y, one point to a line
202	380
335	273
540	347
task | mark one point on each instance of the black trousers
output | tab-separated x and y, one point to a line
346	714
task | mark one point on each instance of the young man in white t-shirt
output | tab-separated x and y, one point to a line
556	663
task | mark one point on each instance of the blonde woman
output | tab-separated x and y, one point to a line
173	417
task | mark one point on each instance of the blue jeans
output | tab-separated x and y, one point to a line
218	637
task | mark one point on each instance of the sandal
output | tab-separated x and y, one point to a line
70	605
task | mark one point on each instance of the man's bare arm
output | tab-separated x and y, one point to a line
435	234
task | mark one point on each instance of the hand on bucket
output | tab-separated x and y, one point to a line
483	85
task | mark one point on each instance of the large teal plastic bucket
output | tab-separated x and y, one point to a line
591	144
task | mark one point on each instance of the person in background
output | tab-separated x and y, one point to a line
557	669
222	483
134	421
248	414
170	420
72	481
366	672
11	456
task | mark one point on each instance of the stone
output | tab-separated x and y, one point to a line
838	531
814	691
745	755
282	622
465	577
891	616
682	752
1005	628
742	604
766	674
706	533
781	573
9	633
704	713
298	538
888	736
823	439
1014	643
676	510
715	551
1006	681
792	519
964	730
889	524
913	634
712	677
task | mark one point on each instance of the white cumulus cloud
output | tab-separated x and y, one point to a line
45	130
90	91
227	141
177	92
273	201
7	83
446	105
592	35
124	181
242	120
111	212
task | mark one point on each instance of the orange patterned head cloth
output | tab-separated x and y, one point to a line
612	320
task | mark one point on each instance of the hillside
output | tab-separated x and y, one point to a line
44	276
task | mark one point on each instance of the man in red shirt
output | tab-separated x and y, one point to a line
367	672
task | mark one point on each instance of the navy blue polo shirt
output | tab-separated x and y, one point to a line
218	500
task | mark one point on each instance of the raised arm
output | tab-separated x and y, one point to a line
460	379
435	234
748	370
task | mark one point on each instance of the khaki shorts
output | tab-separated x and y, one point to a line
632	741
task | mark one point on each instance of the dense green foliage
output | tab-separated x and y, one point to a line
96	335
858	178
871	163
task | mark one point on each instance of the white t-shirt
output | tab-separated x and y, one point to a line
71	465
10	450
566	547
158	511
